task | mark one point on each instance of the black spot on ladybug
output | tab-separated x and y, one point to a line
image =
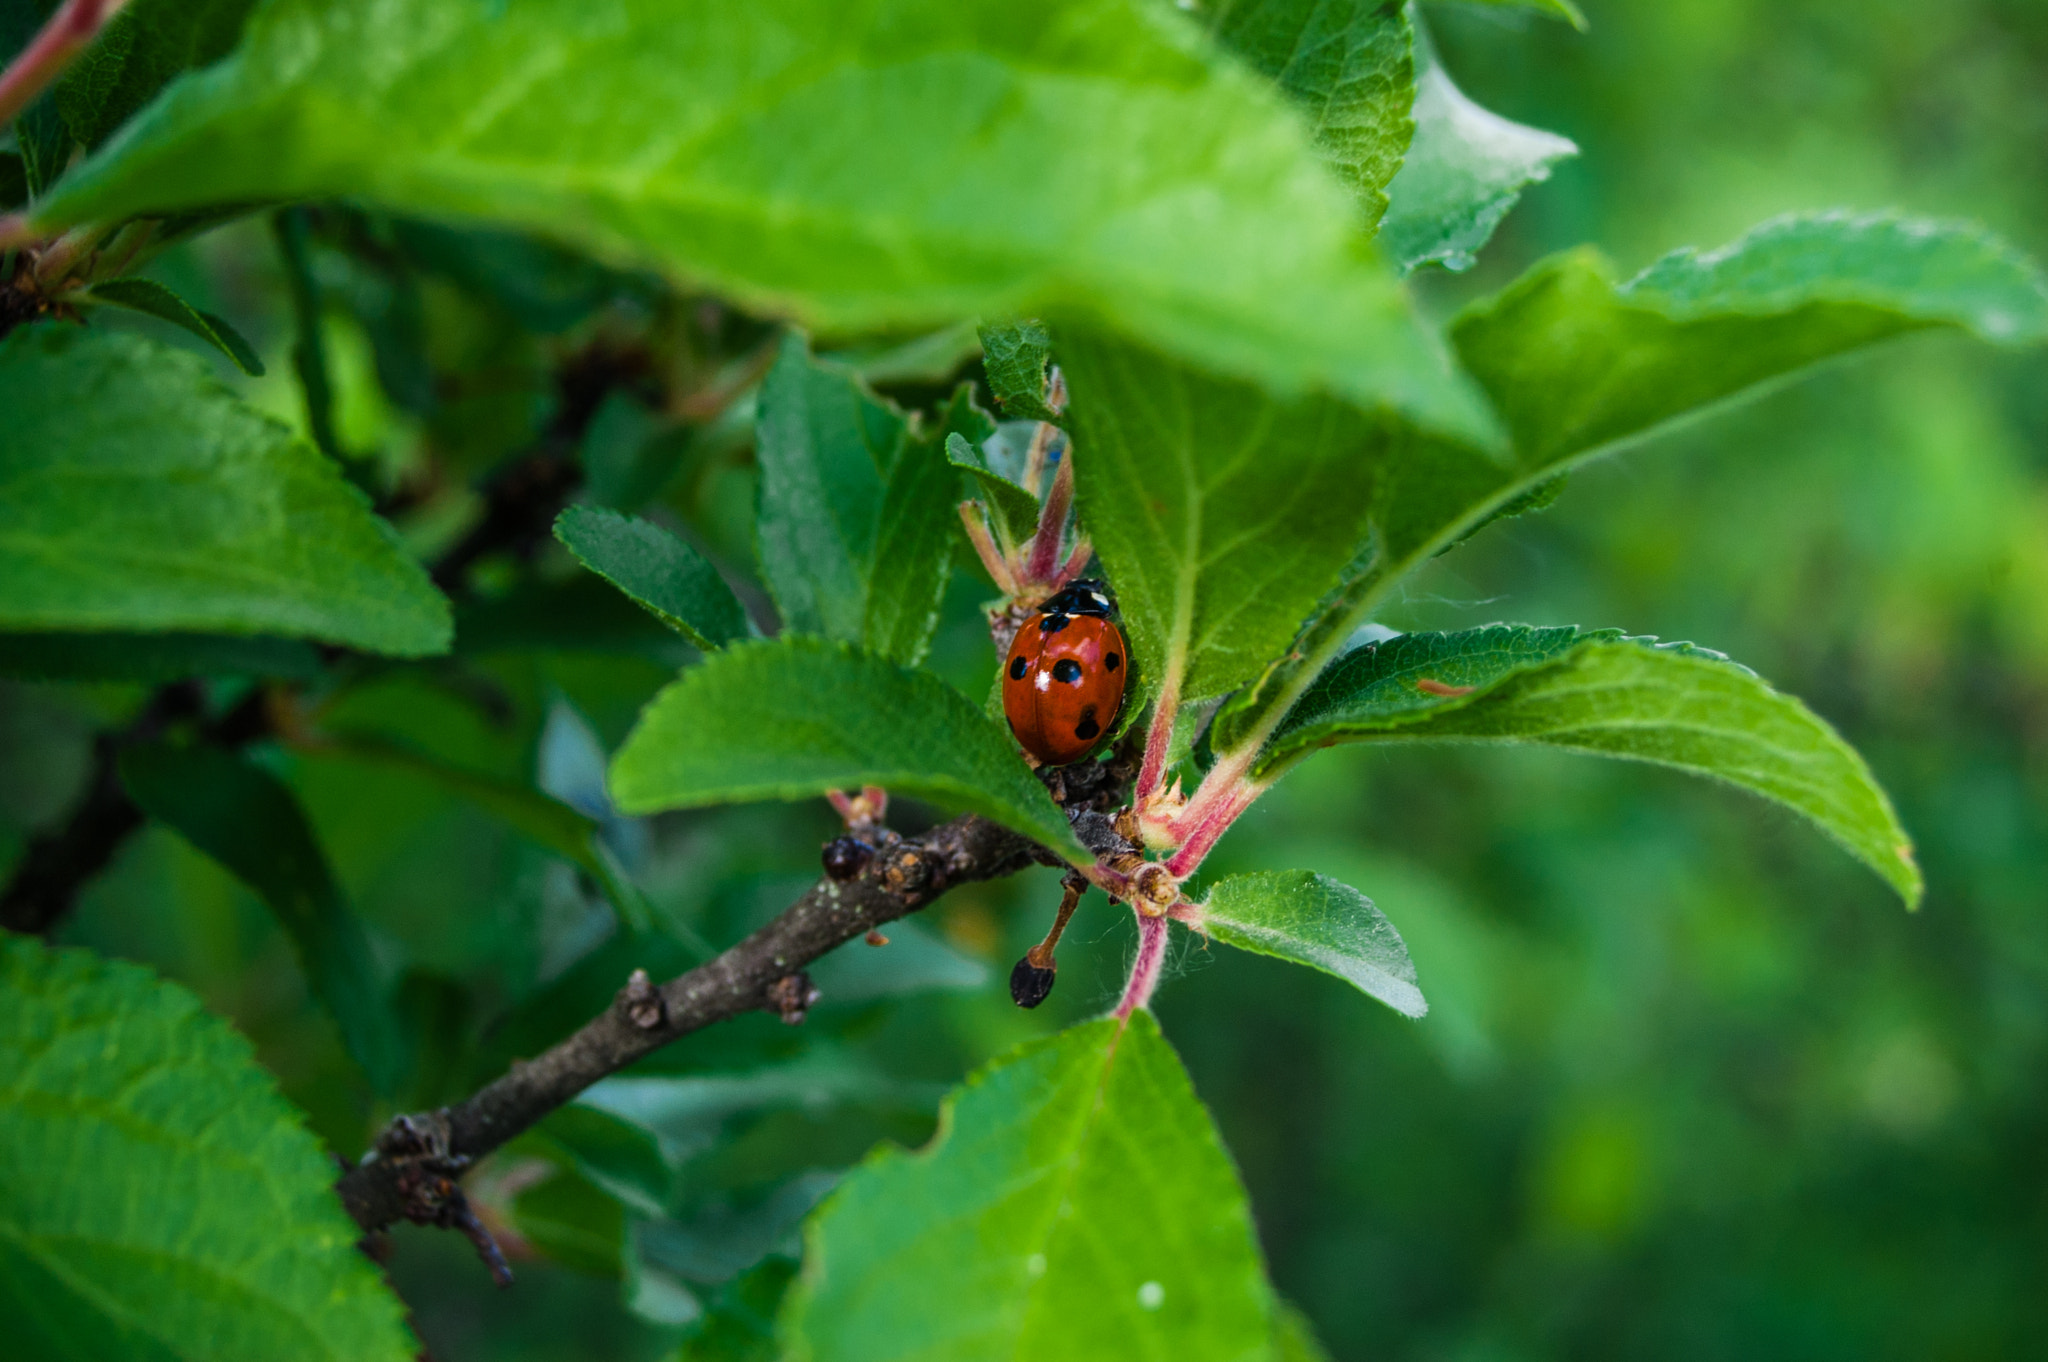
1066	670
1087	728
1052	624
1018	666
1110	662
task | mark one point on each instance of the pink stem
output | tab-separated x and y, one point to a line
985	548
1076	560
74	25
1034	457
1213	824
1218	787
1145	969
1052	524
1157	739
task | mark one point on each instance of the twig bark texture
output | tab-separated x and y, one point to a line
410	1176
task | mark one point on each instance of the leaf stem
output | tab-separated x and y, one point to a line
992	558
75	24
1158	738
1207	824
1044	561
1145	969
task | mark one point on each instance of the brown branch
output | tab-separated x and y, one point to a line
411	1174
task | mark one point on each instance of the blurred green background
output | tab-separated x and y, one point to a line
1692	1085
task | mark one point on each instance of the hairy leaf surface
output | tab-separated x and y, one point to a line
1465	168
1579	366
148	44
856	520
158	1199
1221	514
793	718
671	580
1600	693
857	167
1313	920
1014	510
138	493
1014	356
250	822
1076	1203
1349	64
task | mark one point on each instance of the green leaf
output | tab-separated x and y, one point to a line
250	822
1076	1204
675	583
856	522
153	657
620	1157
148	296
1171	195
583	614
146	45
544	287
687	1114
573	1221
913	552
719	1244
793	718
1221	514
137	493
1014	510
629	454
931	358
1464	171
158	1199
1294	1338
915	961
309	332
1576	364
546	822
1579	367
1313	920
739	1325
1600	693
1014	356
1556	9
1348	64
45	144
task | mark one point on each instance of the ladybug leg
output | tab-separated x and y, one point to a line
1031	981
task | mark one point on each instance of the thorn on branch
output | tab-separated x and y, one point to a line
792	996
642	1002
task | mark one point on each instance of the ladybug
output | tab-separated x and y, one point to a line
1063	682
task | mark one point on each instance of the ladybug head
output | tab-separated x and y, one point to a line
1085	597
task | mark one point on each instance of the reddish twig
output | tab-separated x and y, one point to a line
75	24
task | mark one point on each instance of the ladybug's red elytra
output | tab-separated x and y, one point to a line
1063	681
